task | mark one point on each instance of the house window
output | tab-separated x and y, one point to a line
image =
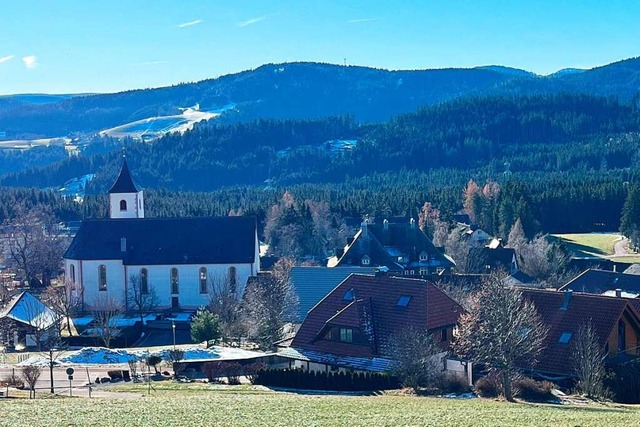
350	295
424	256
203	280
102	277
366	260
72	273
406	272
233	280
443	335
622	336
123	205
412	272
403	301
174	281
565	337
424	271
144	281
346	334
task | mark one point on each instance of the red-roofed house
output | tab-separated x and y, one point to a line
353	325
615	320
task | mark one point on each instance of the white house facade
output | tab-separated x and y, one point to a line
178	259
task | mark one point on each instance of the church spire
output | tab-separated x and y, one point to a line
125	199
124	183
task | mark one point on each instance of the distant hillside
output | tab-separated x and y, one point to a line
8	102
306	90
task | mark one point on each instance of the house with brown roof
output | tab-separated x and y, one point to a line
402	248
615	320
353	326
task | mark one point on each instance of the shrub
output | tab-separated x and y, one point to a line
232	371
624	382
489	385
115	375
12	380
251	371
450	382
529	389
213	371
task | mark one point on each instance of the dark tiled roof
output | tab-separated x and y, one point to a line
314	283
124	183
378	314
380	242
602	312
601	281
497	258
163	241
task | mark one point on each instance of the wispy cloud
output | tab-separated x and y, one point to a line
7	58
30	61
357	21
190	23
150	63
251	21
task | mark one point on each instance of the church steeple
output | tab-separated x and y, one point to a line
125	199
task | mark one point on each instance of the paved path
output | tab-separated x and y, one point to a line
620	247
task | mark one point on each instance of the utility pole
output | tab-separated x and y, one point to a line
173	326
51	369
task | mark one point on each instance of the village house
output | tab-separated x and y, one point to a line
179	258
604	282
353	326
400	248
615	321
25	322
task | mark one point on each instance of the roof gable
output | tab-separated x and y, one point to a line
29	310
379	316
595	281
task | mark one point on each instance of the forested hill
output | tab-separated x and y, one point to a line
543	133
309	91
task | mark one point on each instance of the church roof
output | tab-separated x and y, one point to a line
124	183
167	241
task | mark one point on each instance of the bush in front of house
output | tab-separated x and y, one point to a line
451	382
489	385
334	381
529	389
623	382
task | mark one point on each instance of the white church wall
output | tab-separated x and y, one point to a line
90	281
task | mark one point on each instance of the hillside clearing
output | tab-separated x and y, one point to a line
195	404
590	244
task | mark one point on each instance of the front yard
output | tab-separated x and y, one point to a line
199	404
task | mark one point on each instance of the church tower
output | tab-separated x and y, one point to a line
125	200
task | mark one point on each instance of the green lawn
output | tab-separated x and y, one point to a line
589	244
202	405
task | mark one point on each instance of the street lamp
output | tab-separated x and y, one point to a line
173	326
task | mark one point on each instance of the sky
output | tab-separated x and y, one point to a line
80	46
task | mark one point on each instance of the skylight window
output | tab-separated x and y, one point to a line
565	337
403	301
350	295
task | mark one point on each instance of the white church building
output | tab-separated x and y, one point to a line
176	257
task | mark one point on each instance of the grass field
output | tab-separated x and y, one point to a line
203	405
590	244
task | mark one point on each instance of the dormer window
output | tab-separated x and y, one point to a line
346	334
424	256
565	337
403	301
366	260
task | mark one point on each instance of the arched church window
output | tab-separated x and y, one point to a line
144	281
174	281
102	277
203	280
233	280
72	274
123	205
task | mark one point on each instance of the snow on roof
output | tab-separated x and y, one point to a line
28	309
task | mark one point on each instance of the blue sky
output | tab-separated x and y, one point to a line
68	46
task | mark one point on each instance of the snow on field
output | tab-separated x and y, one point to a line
41	361
105	356
25	144
155	127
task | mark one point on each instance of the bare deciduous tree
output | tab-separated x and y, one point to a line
588	362
458	248
65	300
417	357
104	312
500	329
141	297
224	302
30	375
270	302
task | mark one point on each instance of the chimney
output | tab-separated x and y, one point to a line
567	298
123	244
615	268
365	232
412	222
385	224
618	293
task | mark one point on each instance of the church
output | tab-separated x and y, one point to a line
179	258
